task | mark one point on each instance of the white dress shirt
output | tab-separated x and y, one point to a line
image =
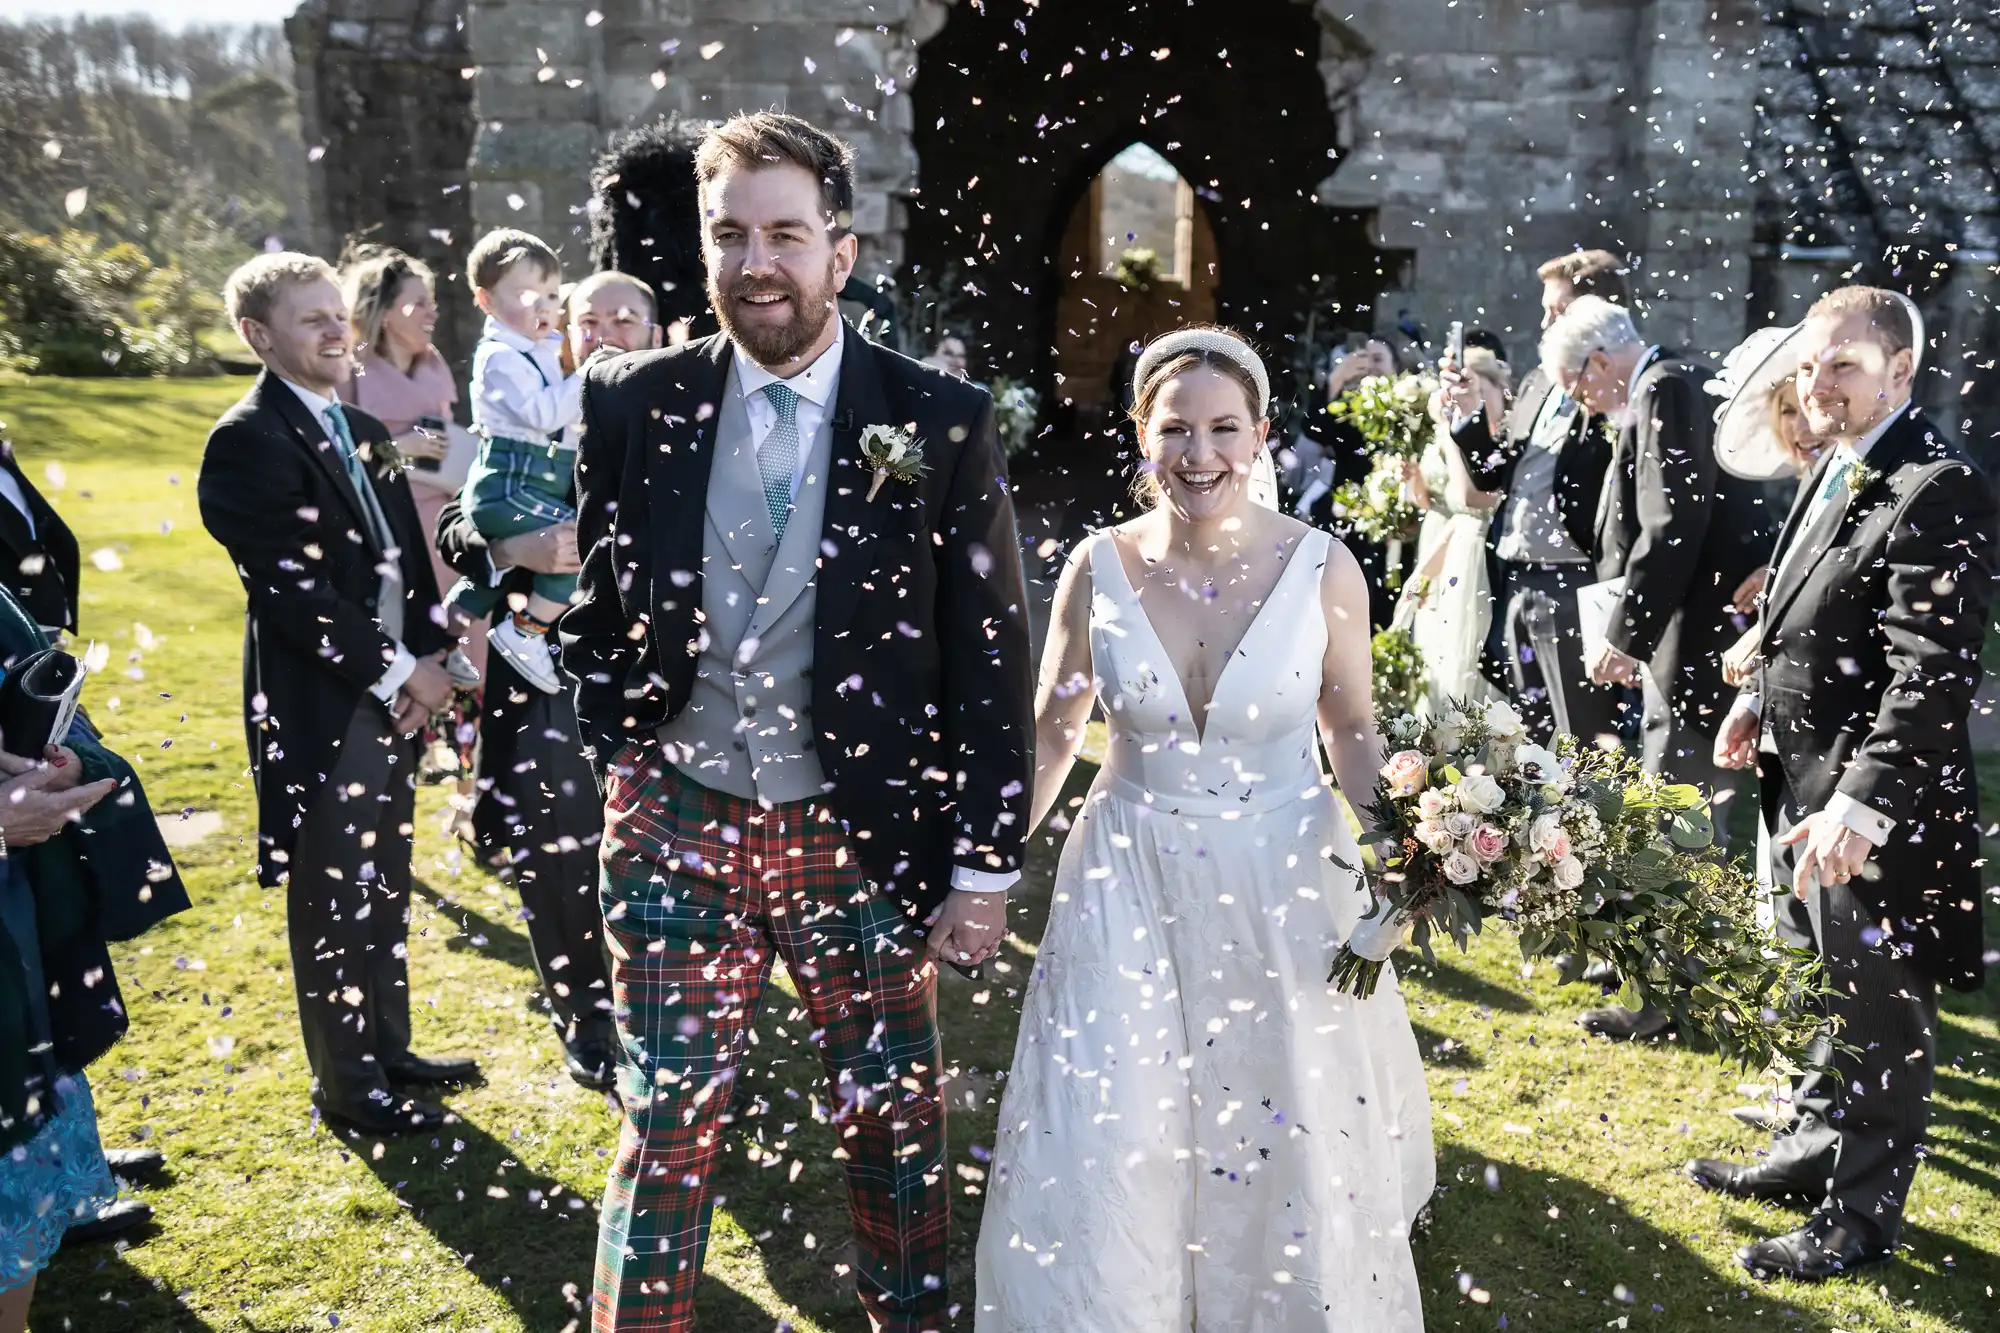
518	388
10	489
1862	819
405	661
818	387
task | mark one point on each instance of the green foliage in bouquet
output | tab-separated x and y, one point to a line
1586	855
1016	409
1374	507
1392	412
1139	269
1399	670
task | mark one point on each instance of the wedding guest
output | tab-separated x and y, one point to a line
610	310
948	355
1858	728
537	817
82	864
39	561
1448	603
40	568
1328	451
1699	532
344	661
1549	455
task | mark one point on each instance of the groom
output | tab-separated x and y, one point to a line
806	683
1870	638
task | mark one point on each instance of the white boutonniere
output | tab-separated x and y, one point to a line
894	452
1859	478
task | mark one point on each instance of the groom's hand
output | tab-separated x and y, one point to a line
1833	853
968	927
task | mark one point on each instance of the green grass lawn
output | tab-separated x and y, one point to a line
1560	1207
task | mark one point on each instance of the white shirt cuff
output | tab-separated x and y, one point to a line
1859	818
967	880
392	679
1752	702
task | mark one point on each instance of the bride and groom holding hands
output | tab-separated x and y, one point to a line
801	653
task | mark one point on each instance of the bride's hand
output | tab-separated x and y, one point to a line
968	927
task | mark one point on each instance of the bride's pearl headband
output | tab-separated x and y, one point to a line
1212	342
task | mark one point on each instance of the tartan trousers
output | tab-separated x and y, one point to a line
700	889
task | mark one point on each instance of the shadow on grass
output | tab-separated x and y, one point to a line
1440	1050
1459	984
91	1287
526	1236
505	941
1498	1230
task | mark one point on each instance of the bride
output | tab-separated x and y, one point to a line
1199	1134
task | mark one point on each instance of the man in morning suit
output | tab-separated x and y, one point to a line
1870	632
342	663
806	683
1549	456
1696	531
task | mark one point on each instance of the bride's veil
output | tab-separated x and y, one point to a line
1264	479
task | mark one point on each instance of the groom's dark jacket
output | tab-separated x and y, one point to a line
921	688
1871	635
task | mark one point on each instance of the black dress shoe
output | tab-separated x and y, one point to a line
135	1163
1820	1249
417	1071
1759	1181
591	1066
1766	1118
392	1115
1622	1024
113	1220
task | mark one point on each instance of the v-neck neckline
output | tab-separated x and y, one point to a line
1200	724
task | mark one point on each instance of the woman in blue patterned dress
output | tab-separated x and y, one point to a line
81	863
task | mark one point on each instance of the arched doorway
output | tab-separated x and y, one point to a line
1137	258
1022	104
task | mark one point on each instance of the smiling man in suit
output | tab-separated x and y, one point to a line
1870	635
342	663
806	682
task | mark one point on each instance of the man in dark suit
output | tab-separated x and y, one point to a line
38	554
1549	456
1691	533
1870	635
804	675
342	663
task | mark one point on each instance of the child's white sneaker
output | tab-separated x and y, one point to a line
464	675
529	654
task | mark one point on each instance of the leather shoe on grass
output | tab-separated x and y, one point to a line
135	1164
449	1071
591	1067
1622	1024
399	1115
1757	1181
112	1221
1819	1250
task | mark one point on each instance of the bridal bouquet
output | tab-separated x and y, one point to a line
1589	858
1392	412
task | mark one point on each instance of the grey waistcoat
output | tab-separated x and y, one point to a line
747	728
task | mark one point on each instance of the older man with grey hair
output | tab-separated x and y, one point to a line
1681	532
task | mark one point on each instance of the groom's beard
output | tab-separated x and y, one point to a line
775	345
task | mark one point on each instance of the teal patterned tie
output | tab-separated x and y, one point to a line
350	460
778	459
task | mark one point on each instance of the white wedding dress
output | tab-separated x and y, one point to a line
1199	1135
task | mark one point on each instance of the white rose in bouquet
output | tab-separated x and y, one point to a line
1433	804
1459	825
1448	732
1433	835
1503	722
1480	794
1569	873
1460	868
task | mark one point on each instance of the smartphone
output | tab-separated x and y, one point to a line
1457	344
429	426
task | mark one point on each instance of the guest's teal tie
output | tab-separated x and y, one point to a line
350	460
778	459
